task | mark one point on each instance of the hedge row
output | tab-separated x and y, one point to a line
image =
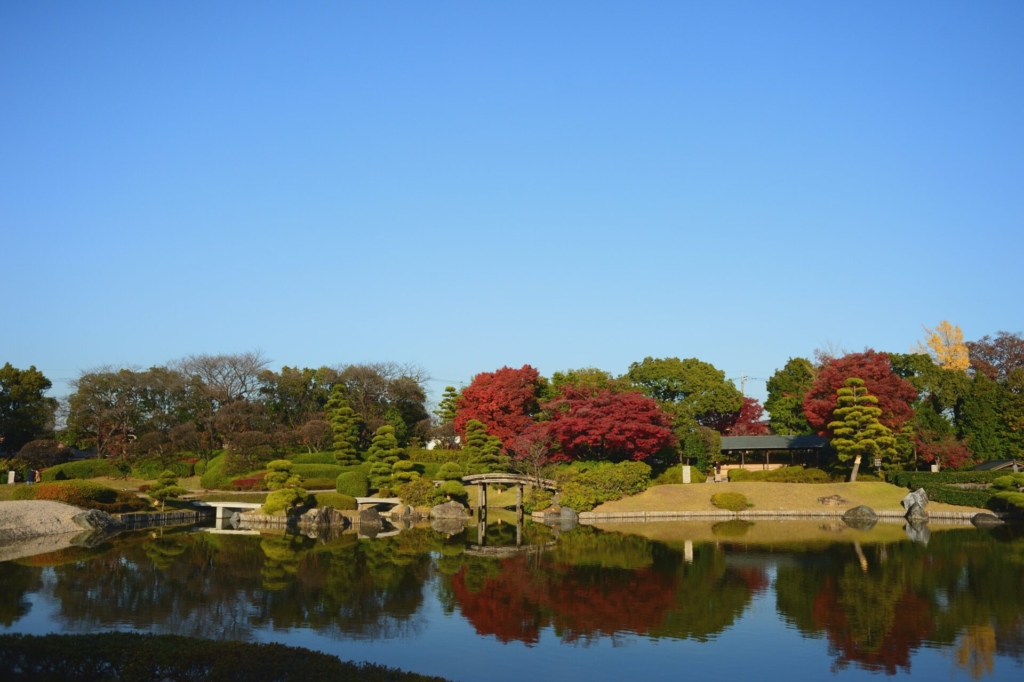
85	494
314	458
145	658
918	479
585	487
318	470
151	469
439	456
86	468
783	475
958	496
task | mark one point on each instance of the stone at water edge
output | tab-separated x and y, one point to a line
369	517
983	521
567	514
860	513
448	526
449	510
94	519
860	518
917	514
919	497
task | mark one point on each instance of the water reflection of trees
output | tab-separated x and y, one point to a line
877	604
218	586
874	604
15	583
594	584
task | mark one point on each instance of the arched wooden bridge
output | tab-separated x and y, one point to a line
518	480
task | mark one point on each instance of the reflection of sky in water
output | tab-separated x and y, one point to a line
758	644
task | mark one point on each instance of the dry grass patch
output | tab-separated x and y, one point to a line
770	497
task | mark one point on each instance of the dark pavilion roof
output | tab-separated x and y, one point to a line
772	442
994	465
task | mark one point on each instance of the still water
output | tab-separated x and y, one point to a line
767	601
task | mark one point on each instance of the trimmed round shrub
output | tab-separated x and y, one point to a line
353	483
454	490
281	501
199	467
731	501
418	493
335	500
403	471
450	471
536	500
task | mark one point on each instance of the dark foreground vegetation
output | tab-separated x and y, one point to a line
133	657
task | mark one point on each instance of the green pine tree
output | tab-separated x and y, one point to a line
856	431
447	408
344	427
384	453
485	450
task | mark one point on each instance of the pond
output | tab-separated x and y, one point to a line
727	600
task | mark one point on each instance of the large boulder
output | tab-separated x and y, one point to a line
369	518
448	526
94	519
860	518
918	497
917	514
449	510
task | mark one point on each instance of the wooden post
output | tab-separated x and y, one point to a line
519	502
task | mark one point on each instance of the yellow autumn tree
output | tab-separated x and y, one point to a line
945	344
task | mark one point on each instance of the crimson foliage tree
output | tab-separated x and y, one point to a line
504	400
895	395
608	426
746	422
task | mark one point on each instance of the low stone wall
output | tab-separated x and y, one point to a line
779	515
175	518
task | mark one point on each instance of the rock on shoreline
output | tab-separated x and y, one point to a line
29	524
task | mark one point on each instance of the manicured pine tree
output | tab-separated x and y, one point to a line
166	487
344	427
856	431
384	453
449	405
486	456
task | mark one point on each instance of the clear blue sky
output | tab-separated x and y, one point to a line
471	185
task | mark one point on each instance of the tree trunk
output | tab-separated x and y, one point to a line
856	467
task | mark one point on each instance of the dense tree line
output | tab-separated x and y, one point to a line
950	401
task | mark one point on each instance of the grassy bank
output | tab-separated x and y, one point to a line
769	497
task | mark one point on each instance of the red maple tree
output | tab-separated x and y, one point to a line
607	425
894	394
746	422
504	400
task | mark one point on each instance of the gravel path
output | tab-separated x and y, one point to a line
39	523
